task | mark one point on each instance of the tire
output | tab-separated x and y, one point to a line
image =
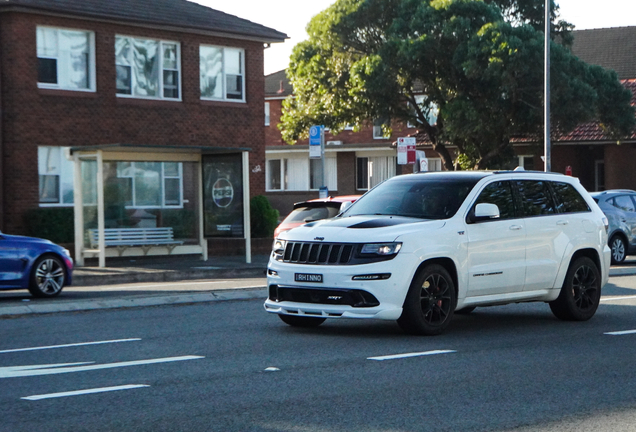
47	277
466	310
581	292
301	321
430	302
619	249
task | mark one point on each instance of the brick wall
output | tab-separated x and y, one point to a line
33	117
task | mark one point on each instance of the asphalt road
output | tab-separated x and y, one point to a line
230	366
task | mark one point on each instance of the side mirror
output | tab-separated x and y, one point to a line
486	211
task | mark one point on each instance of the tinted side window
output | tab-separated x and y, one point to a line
624	202
535	198
499	193
569	200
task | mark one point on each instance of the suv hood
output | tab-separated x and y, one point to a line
359	229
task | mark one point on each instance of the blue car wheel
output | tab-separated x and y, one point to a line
47	277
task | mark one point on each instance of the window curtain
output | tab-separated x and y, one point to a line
145	67
72	66
380	169
296	177
211	72
331	174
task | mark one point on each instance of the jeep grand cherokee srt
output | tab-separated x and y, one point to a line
418	248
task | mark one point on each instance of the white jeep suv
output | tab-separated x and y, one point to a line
418	248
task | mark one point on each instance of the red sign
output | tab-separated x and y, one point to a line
406	153
568	170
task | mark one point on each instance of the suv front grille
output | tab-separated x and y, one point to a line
318	253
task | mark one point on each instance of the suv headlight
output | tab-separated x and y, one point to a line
383	249
278	248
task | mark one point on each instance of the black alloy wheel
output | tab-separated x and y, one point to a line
619	249
581	292
47	277
430	302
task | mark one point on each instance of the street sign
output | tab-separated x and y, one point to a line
315	142
406	154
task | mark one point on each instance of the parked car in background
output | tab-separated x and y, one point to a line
313	210
619	205
38	265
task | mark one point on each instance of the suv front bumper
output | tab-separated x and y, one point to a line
339	295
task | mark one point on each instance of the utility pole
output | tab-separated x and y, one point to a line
546	96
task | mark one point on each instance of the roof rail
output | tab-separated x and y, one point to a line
520	170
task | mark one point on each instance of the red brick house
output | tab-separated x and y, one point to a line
129	78
599	162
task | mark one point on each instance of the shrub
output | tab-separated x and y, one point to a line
263	217
55	224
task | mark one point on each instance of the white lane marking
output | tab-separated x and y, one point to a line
417	354
620	333
69	345
11	372
44	366
83	392
603	299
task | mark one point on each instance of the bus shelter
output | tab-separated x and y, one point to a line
134	200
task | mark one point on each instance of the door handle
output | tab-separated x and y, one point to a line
562	222
515	227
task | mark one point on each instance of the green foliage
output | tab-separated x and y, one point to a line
263	217
479	62
53	223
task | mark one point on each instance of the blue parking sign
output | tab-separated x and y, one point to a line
315	133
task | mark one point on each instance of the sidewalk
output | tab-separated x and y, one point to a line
168	269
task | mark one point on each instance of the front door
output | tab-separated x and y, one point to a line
496	248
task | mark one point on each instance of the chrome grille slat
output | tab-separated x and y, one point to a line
318	253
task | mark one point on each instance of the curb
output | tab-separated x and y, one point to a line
136	301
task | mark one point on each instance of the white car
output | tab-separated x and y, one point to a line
418	248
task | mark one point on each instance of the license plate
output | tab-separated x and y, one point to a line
306	277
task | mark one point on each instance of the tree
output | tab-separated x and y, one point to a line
479	63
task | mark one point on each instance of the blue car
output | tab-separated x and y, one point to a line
38	265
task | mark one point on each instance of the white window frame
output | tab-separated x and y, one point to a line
160	90
225	98
331	178
522	159
370	160
91	62
267	115
63	164
163	204
378	134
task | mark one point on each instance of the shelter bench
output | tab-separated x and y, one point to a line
145	238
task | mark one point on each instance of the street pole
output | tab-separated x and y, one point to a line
546	96
322	158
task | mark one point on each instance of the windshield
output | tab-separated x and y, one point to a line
414	196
